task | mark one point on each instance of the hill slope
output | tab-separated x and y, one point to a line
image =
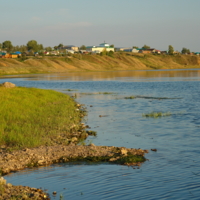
77	62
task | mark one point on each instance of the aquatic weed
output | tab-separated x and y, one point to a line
131	97
69	90
61	197
91	133
157	114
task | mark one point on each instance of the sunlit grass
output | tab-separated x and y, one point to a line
31	117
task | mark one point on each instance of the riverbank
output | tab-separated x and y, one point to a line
47	155
81	62
42	127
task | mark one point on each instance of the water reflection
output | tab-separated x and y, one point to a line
171	173
140	75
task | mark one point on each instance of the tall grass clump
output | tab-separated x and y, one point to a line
31	117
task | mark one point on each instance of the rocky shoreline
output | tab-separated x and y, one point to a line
47	155
16	160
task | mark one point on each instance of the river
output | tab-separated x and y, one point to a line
171	172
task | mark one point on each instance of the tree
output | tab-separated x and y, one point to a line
0	45
23	48
185	51
83	47
7	45
146	47
60	46
104	52
55	47
170	50
135	47
110	53
32	45
112	45
48	48
16	48
40	47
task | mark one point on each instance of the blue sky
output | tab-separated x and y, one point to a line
127	23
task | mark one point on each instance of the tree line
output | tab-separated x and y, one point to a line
33	46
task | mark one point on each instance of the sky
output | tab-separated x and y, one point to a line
124	23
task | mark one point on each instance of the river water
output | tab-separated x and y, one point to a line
172	172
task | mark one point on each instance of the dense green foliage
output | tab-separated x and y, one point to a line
31	117
82	47
7	45
185	51
146	47
170	50
34	46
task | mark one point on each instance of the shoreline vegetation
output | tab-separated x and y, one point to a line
85	62
41	127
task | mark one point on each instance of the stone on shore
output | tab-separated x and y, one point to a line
8	85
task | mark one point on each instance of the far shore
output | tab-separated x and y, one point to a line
84	63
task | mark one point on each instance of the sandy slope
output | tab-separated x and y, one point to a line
120	61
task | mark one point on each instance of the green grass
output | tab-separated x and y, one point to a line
31	117
157	114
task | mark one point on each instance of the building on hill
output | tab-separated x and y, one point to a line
100	48
133	50
145	51
18	53
127	49
8	55
122	48
70	47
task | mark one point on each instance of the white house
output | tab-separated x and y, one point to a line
133	50
127	49
100	48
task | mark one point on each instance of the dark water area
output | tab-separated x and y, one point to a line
170	173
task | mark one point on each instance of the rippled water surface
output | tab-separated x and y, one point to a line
171	173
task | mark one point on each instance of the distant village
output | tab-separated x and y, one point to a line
34	49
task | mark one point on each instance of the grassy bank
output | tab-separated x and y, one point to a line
31	117
77	62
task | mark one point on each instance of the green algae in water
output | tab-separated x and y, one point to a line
149	97
69	90
157	114
96	93
122	160
130	159
131	97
